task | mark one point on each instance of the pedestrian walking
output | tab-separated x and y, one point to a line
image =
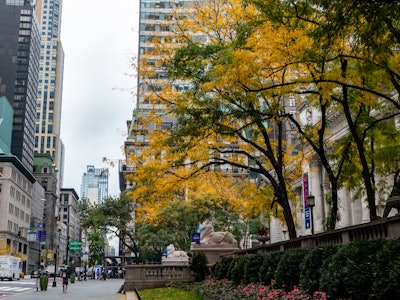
64	276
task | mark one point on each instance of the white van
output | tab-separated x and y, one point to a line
10	267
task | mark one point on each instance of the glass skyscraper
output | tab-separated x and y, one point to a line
94	186
19	63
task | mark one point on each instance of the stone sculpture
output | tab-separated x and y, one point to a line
209	236
173	253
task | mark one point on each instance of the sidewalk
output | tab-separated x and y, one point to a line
87	290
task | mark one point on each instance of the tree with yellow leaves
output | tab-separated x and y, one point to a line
242	59
220	123
351	64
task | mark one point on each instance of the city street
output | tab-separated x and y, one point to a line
25	289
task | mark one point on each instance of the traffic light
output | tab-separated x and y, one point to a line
19	234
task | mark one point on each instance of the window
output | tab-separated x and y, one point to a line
10	209
12	192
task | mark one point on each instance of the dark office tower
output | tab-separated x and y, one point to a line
19	69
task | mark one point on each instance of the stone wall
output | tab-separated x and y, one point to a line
154	276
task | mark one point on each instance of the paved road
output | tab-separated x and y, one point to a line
90	289
8	288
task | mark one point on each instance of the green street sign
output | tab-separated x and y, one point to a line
72	248
75	243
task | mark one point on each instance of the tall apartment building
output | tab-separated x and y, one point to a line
19	61
155	25
94	186
50	83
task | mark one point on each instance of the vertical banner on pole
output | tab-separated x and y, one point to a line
307	216
41	236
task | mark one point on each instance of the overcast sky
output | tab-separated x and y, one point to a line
99	37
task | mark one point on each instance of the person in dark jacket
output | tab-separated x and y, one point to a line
65	276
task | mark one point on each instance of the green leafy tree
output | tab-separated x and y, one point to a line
96	247
113	216
178	220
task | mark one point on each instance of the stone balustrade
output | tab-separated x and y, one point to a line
153	276
143	276
386	228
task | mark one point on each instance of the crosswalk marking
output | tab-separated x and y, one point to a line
17	282
13	289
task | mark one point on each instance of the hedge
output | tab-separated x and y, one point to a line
358	270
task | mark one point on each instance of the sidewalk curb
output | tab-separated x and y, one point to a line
130	296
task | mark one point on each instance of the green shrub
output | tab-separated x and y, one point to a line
268	267
311	267
199	266
358	270
386	284
349	272
236	269
287	273
252	268
220	269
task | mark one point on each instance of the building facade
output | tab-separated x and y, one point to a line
50	82
69	217
16	200
45	173
35	261
94	186
19	60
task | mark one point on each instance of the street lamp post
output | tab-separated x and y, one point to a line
55	258
38	271
311	204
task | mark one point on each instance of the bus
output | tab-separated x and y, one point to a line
10	267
